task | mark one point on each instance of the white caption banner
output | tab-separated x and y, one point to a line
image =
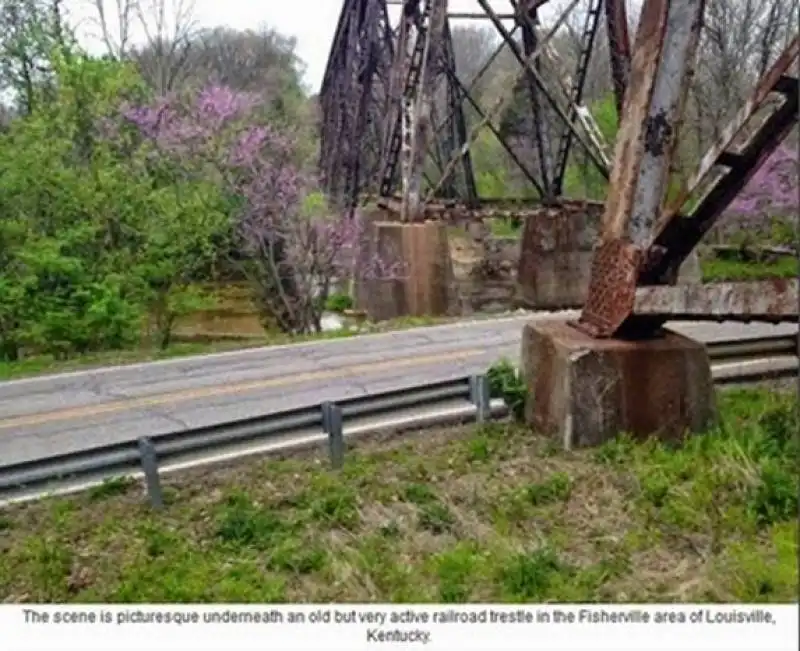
349	628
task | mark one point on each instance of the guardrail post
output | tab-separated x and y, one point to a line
333	426
147	453
325	407
479	396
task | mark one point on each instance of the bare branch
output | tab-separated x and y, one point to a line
168	27
120	12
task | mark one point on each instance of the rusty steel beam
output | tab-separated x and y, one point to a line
529	20
486	119
371	76
503	100
662	60
587	39
422	66
367	78
353	100
530	71
619	47
665	46
773	300
432	55
401	77
746	143
456	123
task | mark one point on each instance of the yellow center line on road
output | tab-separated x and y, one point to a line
230	389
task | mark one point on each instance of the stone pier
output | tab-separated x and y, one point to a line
556	253
585	391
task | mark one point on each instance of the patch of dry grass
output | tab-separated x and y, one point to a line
493	513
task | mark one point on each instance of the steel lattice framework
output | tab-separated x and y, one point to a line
378	77
383	126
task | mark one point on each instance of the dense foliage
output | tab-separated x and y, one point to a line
115	202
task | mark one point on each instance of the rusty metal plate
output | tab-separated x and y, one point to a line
619	46
767	300
612	288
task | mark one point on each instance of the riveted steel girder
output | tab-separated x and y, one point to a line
662	61
374	78
353	98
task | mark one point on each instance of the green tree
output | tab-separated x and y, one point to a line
581	178
98	230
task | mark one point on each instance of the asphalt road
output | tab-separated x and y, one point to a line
63	413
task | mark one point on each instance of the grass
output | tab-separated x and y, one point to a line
718	270
455	515
505	228
44	364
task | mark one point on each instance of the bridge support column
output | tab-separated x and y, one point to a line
555	257
585	391
556	252
423	283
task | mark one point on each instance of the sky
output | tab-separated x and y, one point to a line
311	22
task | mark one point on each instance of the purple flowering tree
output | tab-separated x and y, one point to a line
773	189
292	251
773	192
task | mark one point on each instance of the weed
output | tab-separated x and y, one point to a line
419	494
555	489
456	569
436	518
110	488
655	488
158	540
616	451
298	557
333	503
505	382
719	270
774	497
528	576
780	424
378	563
339	302
479	449
758	571
51	560
242	523
391	530
489	443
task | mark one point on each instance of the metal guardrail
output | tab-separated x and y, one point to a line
460	399
86	467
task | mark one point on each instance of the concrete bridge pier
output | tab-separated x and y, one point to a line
415	275
556	253
585	391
